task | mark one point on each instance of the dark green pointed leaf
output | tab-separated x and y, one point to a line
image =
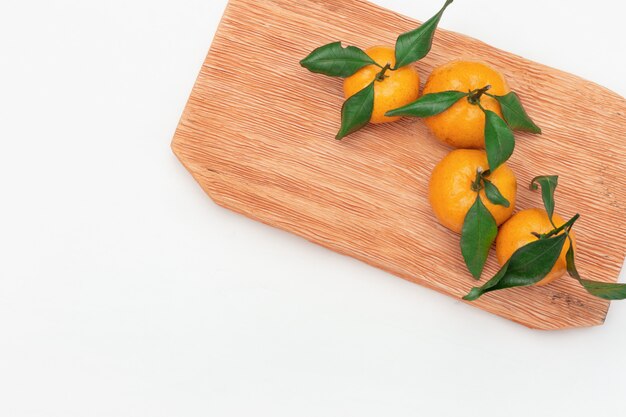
527	266
548	185
514	113
478	233
476	292
499	140
494	195
571	265
336	61
429	104
415	45
606	290
356	111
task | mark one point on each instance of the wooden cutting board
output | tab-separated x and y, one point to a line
258	136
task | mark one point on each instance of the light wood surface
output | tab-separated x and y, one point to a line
258	136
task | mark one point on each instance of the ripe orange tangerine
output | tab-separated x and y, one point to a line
518	231
450	189
463	124
398	88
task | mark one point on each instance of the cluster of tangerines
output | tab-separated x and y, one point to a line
467	105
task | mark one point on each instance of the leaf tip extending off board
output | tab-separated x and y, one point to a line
604	290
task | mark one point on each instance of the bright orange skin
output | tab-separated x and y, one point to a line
399	88
450	188
517	232
463	124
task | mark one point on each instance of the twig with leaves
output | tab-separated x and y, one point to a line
532	262
336	61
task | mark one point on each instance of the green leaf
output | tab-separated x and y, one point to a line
514	113
565	226
571	265
356	111
494	195
476	292
336	61
527	266
606	290
429	104
478	233
415	45
499	140
548	185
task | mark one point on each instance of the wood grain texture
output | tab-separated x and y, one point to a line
258	135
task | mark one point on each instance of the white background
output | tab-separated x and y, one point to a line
124	291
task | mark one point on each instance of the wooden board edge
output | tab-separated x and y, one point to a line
177	149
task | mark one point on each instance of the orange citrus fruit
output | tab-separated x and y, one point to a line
517	232
463	124
450	188
400	87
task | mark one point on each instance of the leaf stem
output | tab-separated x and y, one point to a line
381	75
567	225
474	95
477	184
